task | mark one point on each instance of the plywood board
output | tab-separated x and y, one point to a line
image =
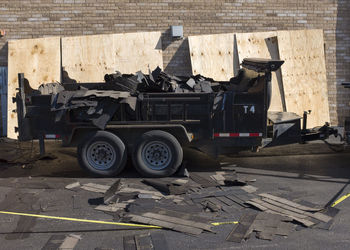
212	55
262	45
304	74
138	51
39	60
89	58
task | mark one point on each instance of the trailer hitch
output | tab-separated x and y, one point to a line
318	133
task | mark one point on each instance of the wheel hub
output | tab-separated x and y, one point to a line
101	155
156	155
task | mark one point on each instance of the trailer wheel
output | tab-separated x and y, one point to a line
157	154
102	154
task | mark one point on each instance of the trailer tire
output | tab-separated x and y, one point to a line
110	158
157	154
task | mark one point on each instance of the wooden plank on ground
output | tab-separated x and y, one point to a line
264	208
165	224
89	58
39	60
143	242
177	220
278	209
304	74
288	202
263	45
319	216
159	241
97	188
212	55
242	229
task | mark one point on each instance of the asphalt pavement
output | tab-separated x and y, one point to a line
311	173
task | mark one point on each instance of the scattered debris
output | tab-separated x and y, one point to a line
69	242
54	242
300	213
112	207
241	231
268	225
289	203
73	185
332	212
183	172
180	181
204	182
249	188
166	187
110	196
191	205
159	241
155	240
98	188
140	191
174	223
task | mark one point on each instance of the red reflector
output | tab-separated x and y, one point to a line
238	134
254	134
234	134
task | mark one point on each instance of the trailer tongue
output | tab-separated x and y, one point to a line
152	117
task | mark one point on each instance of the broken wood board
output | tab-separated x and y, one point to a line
155	194
242	229
267	225
263	45
266	207
212	55
110	193
89	58
97	188
39	60
289	203
112	207
70	242
73	185
176	220
165	224
304	74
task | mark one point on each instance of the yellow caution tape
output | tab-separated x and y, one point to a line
80	220
99	221
340	199
224	223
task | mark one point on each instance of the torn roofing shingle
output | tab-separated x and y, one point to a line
288	202
242	229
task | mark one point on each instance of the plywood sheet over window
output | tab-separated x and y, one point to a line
39	60
304	74
262	45
89	58
212	55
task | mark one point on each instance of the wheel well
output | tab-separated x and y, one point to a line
129	135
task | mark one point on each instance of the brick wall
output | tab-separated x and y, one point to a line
38	18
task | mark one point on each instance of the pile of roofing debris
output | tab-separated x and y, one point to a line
96	101
159	81
199	203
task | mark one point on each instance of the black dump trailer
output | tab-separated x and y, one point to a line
152	117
